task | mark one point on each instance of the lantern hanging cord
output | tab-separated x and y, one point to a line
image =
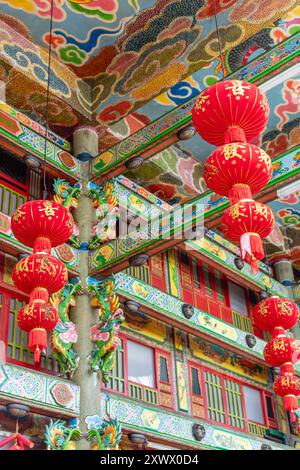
219	39
48	97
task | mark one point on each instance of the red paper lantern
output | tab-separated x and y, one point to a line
237	170
37	318
287	385
36	222
275	312
230	111
280	349
247	222
38	270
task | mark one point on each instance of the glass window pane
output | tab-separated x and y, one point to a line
237	296
13	203
219	285
164	376
6	201
1	198
270	408
184	258
196	390
196	275
207	279
140	364
253	405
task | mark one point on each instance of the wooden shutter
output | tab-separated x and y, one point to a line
157	265
234	404
215	403
196	391
186	279
270	411
164	379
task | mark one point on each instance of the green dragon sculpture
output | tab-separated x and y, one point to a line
60	437
105	201
105	434
105	332
64	334
67	196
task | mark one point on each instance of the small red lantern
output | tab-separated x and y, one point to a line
287	385
280	349
237	170
275	312
42	220
40	270
37	318
247	222
230	111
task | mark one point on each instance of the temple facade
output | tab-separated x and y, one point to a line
156	347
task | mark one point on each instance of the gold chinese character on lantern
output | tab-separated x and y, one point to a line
48	209
28	309
286	309
234	211
45	265
201	102
263	310
238	88
18	214
231	151
279	344
261	209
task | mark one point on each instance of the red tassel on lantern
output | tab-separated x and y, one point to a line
37	318
287	385
37	342
247	221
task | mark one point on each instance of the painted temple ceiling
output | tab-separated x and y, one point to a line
137	60
121	65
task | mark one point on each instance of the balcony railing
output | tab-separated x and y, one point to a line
138	392
242	322
257	429
10	200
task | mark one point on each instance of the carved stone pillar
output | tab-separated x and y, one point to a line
83	314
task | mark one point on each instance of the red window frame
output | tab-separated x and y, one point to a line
14	185
157	352
9	292
157	271
268	422
196	294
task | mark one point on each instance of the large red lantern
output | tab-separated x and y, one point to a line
39	270
237	170
248	222
275	312
35	222
287	385
40	224
230	111
38	319
280	349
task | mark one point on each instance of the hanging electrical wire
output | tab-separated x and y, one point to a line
219	39
48	98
